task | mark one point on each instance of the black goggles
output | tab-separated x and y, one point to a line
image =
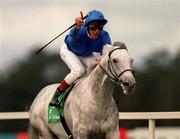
95	27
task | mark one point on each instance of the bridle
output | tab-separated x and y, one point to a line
114	76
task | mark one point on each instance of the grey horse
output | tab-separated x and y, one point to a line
90	110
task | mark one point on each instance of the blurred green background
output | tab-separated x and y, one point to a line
157	86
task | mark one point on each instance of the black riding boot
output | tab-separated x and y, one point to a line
54	101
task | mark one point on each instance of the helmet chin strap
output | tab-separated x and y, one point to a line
88	33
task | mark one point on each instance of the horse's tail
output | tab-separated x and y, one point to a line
32	132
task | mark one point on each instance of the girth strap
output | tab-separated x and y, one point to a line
66	127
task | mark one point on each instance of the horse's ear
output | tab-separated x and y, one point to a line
106	48
120	44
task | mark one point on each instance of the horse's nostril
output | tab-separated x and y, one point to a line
125	83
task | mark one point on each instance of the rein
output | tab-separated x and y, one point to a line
114	76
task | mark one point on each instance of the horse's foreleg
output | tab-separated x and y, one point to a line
81	134
86	134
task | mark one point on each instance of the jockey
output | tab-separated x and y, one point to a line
85	38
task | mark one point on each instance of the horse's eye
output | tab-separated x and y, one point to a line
115	61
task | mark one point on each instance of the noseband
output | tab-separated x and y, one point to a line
114	76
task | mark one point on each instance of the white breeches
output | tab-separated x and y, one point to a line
77	64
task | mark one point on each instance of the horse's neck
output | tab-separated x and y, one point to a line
100	84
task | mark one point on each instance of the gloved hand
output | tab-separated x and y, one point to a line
79	20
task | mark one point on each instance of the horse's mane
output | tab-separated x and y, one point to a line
106	49
90	68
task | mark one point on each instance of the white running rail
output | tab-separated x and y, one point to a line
150	116
13	115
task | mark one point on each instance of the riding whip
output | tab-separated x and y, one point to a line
38	51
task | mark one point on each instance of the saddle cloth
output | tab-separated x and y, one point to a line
54	112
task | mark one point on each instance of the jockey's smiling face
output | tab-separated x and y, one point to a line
95	30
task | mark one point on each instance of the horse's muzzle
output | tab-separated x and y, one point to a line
128	88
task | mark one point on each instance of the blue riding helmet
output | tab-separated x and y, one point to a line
95	16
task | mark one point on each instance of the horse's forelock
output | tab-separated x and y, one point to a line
118	44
